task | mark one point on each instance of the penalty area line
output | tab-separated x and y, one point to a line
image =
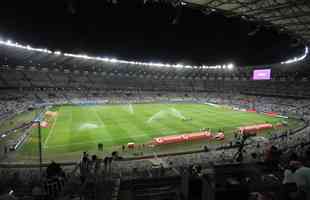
50	133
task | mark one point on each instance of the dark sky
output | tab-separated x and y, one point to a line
135	31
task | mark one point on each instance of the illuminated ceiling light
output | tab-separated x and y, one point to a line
113	60
297	59
230	66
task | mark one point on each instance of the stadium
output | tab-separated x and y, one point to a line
86	126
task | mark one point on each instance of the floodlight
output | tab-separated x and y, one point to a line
113	60
230	66
297	59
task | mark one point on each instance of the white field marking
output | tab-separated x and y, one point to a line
50	133
157	115
212	104
177	113
95	141
71	116
163	113
98	117
86	126
131	109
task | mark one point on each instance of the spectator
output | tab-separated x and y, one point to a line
54	170
105	161
301	176
95	164
85	155
84	168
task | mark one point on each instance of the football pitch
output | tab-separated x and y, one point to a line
80	128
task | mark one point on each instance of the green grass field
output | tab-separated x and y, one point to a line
81	128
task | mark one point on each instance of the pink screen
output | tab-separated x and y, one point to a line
262	74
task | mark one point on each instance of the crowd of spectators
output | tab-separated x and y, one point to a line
284	144
12	100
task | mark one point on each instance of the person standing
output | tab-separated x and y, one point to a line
5	151
84	167
301	178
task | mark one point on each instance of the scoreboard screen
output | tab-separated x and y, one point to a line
262	74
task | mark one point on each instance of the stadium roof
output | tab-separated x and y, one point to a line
291	16
14	55
288	16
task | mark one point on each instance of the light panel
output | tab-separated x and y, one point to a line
113	60
297	59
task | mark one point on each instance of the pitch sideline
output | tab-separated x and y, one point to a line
95	141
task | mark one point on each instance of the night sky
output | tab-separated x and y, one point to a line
143	32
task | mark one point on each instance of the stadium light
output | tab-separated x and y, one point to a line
230	66
114	60
297	59
27	47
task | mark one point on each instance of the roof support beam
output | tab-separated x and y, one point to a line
242	6
279	18
210	2
300	29
262	10
294	23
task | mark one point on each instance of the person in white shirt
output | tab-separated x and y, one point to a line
301	176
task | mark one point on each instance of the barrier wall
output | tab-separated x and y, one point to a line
251	110
255	128
182	138
272	114
43	124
